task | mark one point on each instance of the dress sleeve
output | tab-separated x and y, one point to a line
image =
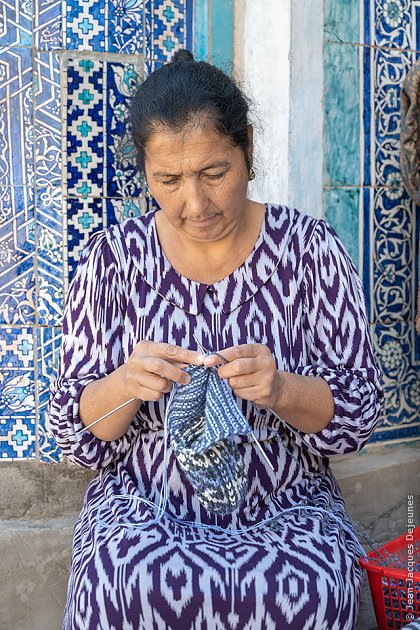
339	347
91	349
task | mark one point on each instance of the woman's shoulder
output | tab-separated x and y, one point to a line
301	229
129	238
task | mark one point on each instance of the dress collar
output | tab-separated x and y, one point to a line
141	242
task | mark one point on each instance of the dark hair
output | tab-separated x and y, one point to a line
185	91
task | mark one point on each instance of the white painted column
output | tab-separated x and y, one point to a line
278	53
306	156
261	57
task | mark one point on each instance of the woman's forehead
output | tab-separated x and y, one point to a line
196	144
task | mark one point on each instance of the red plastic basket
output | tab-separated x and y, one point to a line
395	592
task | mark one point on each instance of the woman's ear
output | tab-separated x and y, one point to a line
250	145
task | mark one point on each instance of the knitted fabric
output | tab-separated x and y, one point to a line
202	420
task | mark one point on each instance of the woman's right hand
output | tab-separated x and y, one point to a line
153	367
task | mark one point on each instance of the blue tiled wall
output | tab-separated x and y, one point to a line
67	71
369	45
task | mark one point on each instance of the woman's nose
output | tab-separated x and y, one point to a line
196	199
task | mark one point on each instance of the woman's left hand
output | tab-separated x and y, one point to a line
251	373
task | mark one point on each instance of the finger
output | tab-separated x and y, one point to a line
154	365
148	395
232	353
173	354
155	382
238	367
253	394
244	382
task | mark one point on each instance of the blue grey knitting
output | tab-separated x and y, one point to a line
202	419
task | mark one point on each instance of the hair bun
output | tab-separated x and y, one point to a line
183	55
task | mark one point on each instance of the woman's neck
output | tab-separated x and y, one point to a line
208	263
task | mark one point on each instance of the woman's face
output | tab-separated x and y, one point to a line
199	180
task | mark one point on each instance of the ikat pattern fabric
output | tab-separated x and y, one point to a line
298	293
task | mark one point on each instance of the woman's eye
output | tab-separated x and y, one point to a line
169	182
214	177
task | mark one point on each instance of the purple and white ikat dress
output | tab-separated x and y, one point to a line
298	293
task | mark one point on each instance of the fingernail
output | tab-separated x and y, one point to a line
186	380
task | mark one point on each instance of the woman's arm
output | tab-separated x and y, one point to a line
305	402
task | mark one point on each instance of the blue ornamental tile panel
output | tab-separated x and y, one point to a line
48	24
393	255
393	345
118	210
85	24
393	24
391	68
17	393
84	217
125	26
49	298
47	128
49	344
168	27
123	178
16	23
16	134
17	246
85	127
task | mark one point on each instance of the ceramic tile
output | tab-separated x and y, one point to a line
168	26
122	176
342	212
393	255
84	217
221	34
48	24
17	246
86	25
342	21
16	134
342	115
17	393
85	127
47	128
401	381
391	69
119	210
125	26
49	344
50	288
16	23
392	26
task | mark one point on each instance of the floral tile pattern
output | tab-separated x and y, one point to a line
17	246
48	34
16	110
49	343
17	393
391	219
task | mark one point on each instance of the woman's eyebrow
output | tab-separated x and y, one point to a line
220	164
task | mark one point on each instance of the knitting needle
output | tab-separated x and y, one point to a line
262	452
200	346
105	416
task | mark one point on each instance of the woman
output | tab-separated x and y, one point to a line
274	293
